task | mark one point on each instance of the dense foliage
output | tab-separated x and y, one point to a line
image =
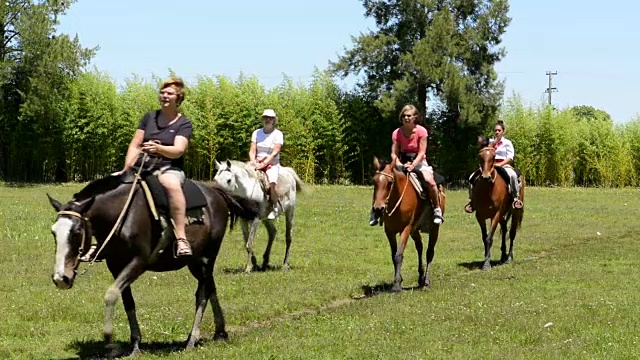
62	122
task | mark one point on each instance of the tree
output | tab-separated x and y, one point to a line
36	68
590	113
444	50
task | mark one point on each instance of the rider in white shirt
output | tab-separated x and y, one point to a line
505	153
264	154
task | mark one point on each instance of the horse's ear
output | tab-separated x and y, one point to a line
376	162
217	164
229	163
84	205
55	203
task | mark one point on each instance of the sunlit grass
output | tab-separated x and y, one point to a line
571	292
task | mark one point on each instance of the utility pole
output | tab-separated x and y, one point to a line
551	89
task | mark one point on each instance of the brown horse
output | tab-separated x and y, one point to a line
491	200
405	213
134	249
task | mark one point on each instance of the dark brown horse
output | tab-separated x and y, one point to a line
404	213
491	200
133	248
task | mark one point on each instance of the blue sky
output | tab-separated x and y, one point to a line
593	45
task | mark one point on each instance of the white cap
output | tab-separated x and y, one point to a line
269	113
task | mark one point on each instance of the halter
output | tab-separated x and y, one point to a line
85	221
386	208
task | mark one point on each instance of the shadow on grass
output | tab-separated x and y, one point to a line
95	349
240	270
477	265
383	288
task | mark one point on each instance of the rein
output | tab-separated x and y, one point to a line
388	196
117	224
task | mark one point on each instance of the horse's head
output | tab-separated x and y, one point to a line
72	233
383	180
487	161
225	176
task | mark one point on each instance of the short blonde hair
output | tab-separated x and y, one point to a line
178	83
409	107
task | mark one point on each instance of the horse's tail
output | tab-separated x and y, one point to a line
299	183
239	206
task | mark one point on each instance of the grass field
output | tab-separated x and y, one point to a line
572	292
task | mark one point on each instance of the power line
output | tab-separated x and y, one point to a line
551	89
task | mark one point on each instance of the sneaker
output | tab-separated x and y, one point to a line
517	204
468	208
437	216
273	214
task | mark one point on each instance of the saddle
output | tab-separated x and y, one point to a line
502	172
420	184
159	201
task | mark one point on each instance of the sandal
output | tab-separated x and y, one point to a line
183	248
468	208
90	255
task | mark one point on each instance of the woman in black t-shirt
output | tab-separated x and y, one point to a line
164	136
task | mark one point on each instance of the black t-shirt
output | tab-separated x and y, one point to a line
156	129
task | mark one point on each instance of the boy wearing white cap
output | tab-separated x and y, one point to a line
264	154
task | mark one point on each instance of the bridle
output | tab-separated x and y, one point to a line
83	243
493	172
386	202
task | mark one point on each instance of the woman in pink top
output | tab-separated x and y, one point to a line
409	149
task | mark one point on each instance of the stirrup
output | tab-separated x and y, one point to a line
185	251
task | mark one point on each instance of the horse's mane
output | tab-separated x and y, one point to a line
97	187
383	163
250	171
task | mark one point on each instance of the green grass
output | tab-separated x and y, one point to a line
576	268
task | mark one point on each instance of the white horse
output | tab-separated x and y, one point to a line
243	179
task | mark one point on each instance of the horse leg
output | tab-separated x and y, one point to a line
399	257
419	247
488	241
289	225
394	249
503	246
433	239
515	221
130	309
124	278
271	231
483	232
249	232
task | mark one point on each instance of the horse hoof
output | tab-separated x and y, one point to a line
396	289
286	267
221	335
486	267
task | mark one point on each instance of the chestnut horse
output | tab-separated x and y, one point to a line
491	200
405	213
